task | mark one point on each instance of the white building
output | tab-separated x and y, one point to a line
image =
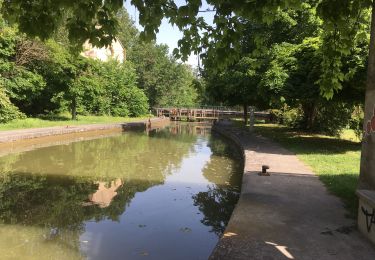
115	51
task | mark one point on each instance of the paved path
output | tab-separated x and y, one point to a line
288	215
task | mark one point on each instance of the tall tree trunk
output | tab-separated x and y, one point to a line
245	111
74	109
310	112
367	175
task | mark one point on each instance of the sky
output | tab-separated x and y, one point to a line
168	34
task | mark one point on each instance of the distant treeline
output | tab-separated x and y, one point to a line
51	77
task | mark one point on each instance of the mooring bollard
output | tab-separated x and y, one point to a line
264	171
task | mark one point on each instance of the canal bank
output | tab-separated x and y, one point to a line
25	134
287	215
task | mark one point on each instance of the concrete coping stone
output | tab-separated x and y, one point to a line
31	133
367	195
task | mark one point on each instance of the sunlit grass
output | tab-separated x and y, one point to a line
64	120
335	160
349	134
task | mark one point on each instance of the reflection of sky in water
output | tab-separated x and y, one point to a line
160	196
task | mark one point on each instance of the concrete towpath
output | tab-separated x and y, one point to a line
288	215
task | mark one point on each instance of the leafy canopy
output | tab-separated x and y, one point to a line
84	19
96	20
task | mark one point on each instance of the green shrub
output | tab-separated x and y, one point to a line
120	84
137	102
292	117
276	116
332	118
8	111
356	121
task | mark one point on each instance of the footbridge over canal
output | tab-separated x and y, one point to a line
207	113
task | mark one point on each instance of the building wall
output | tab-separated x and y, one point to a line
115	51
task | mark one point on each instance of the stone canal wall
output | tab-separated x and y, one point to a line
24	134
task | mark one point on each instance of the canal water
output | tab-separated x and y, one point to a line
165	194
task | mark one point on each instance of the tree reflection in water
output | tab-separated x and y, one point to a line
217	205
55	190
59	204
218	202
48	195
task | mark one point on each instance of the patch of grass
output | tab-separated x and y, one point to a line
63	120
335	160
349	134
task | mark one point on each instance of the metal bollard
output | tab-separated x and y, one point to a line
264	171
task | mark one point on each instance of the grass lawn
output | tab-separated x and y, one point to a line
335	160
63	120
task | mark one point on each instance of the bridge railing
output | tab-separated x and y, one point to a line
217	108
206	112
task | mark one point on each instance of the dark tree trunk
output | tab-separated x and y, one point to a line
74	109
310	111
245	111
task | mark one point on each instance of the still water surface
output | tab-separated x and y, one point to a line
162	195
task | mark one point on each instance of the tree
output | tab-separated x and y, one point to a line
257	77
104	88
120	84
21	81
236	85
165	81
84	19
343	22
82	81
286	70
127	32
97	21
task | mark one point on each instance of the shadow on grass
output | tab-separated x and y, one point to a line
53	117
307	143
343	186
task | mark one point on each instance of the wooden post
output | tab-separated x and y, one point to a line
252	118
245	107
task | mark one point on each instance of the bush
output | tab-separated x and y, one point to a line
107	88
120	84
292	117
356	121
332	118
276	116
137	102
8	111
